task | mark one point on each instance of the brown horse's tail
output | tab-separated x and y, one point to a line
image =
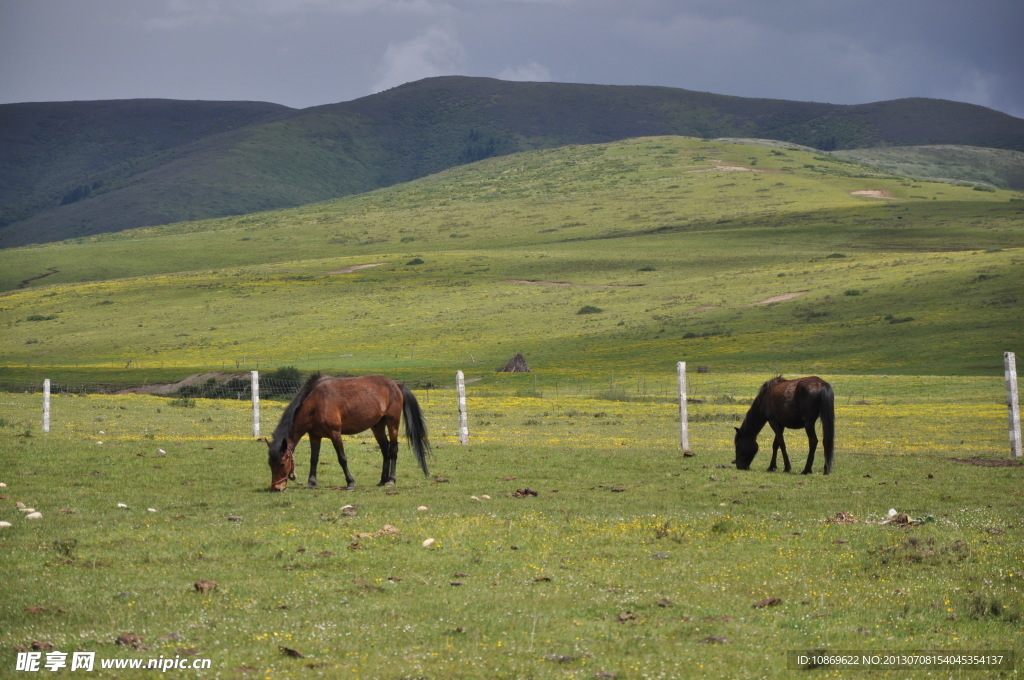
415	427
826	403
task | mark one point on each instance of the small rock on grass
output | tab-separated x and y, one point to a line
130	640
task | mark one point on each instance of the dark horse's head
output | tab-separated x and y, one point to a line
282	464
746	449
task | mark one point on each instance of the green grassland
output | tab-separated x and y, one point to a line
476	263
632	561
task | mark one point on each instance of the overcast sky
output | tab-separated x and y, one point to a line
307	52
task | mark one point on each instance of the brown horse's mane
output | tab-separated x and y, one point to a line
284	427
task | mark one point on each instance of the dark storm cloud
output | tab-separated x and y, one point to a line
307	52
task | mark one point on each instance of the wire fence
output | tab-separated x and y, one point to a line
709	388
966	413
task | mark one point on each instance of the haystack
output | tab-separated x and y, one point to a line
516	364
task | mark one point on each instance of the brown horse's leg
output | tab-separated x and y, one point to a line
812	442
388	452
314	459
339	447
779	443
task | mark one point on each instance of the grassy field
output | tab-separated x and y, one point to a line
632	561
681	254
604	265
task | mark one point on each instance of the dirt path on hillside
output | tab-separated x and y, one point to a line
779	298
356	267
727	168
872	193
50	271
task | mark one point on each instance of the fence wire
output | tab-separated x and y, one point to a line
886	414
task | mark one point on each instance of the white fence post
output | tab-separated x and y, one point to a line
460	385
46	405
256	404
684	428
1010	364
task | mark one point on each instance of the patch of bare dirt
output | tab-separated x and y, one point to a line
356	267
726	168
872	193
779	298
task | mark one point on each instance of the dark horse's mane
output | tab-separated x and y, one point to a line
284	427
755	419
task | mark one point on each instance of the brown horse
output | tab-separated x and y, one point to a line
788	403
330	407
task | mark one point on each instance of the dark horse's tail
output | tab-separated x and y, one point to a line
827	399
415	427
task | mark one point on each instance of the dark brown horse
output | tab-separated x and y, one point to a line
795	404
330	407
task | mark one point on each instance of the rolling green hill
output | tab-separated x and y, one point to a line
57	156
729	255
995	167
82	168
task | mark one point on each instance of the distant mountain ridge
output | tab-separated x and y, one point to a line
72	169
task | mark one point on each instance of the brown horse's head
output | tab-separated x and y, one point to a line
282	466
746	449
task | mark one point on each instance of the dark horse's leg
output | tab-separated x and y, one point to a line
388	451
314	459
342	460
779	443
812	443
